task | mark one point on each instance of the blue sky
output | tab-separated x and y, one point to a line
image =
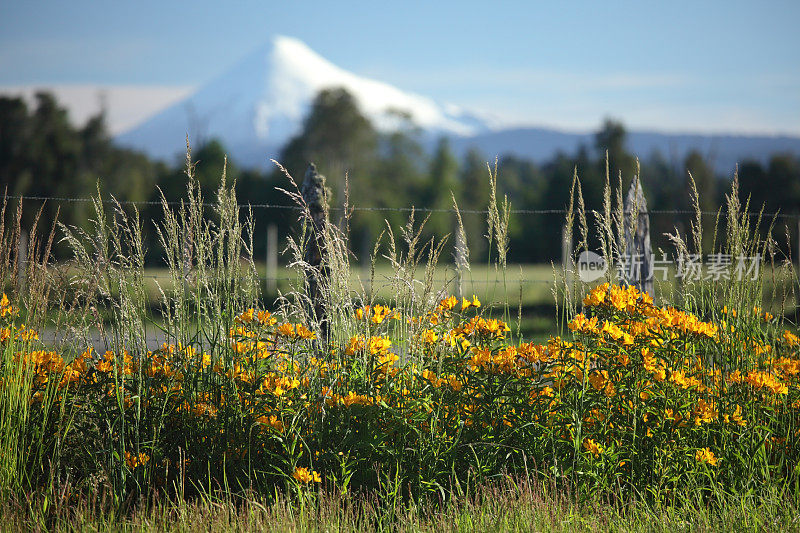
671	66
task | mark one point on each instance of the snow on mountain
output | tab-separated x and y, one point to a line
257	105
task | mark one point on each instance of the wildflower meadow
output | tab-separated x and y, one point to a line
416	401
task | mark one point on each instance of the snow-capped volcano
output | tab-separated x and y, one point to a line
257	105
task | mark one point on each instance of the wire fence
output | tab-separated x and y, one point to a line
356	208
275	275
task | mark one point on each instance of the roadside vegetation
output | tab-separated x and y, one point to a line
420	410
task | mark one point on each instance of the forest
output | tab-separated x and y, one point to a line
43	154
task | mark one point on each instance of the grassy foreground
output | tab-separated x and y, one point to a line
413	410
506	507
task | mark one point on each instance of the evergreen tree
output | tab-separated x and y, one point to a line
611	139
524	185
705	182
442	182
339	139
475	197
15	133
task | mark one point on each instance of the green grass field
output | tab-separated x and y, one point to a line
372	401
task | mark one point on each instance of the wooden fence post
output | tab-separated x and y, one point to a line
315	196
638	260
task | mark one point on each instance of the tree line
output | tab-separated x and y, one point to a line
43	154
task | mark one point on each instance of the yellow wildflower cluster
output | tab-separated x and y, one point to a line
706	456
376	314
6	309
450	380
632	384
349	399
136	460
592	447
304	475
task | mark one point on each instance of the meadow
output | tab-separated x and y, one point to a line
383	401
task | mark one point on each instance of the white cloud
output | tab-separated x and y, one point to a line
126	105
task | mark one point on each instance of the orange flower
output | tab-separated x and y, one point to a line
286	329
592	447
448	303
706	456
466	304
134	461
265	318
303	332
246	317
304	475
379	345
429	336
355	345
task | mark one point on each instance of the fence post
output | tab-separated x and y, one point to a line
315	197
638	261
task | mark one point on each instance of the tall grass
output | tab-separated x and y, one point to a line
512	505
420	399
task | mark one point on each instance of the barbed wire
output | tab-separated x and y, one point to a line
152	203
435	280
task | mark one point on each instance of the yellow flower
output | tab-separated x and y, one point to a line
598	379
107	364
303	332
304	475
466	304
355	345
581	324
706	411
596	296
736	417
286	329
272	421
592	447
247	316
430	377
379	345
379	313
386	360
429	336
454	383
790	338
448	303
762	379
265	318
5	306
706	456
134	461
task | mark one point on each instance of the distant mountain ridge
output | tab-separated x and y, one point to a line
259	104
722	151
